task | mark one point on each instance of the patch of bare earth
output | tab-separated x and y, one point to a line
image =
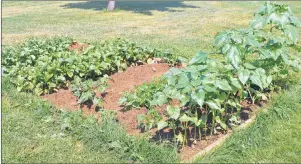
118	83
79	47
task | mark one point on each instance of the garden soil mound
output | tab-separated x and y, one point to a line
118	83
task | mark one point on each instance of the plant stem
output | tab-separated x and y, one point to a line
174	131
183	143
186	124
213	122
200	133
253	101
196	115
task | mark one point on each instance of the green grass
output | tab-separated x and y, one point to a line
34	131
183	27
275	136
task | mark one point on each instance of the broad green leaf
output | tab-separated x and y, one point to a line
295	21
291	32
269	79
162	124
243	75
231	103
278	19
184	100
122	100
235	83
223	85
199	58
234	56
256	80
226	48
196	83
213	105
258	22
220	39
222	97
172	93
183	80
251	40
185	118
186	89
209	89
198	96
70	74
172	71
249	66
260	71
173	112
245	94
171	80
159	99
196	121
85	96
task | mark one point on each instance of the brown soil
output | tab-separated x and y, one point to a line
129	79
79	47
63	99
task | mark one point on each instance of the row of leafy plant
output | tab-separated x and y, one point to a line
44	66
258	59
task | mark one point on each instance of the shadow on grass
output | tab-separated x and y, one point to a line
145	8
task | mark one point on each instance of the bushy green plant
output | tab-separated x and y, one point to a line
43	66
210	91
86	90
142	94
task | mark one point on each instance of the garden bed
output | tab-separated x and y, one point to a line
193	108
118	83
126	81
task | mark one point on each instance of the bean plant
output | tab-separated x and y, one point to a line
210	91
86	91
44	66
141	96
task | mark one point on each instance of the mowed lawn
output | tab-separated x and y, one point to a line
181	27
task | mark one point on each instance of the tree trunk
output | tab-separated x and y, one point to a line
111	5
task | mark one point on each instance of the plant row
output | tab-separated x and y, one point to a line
44	66
258	59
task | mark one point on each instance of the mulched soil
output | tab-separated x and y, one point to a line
125	81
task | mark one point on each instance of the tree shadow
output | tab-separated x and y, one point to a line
142	7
